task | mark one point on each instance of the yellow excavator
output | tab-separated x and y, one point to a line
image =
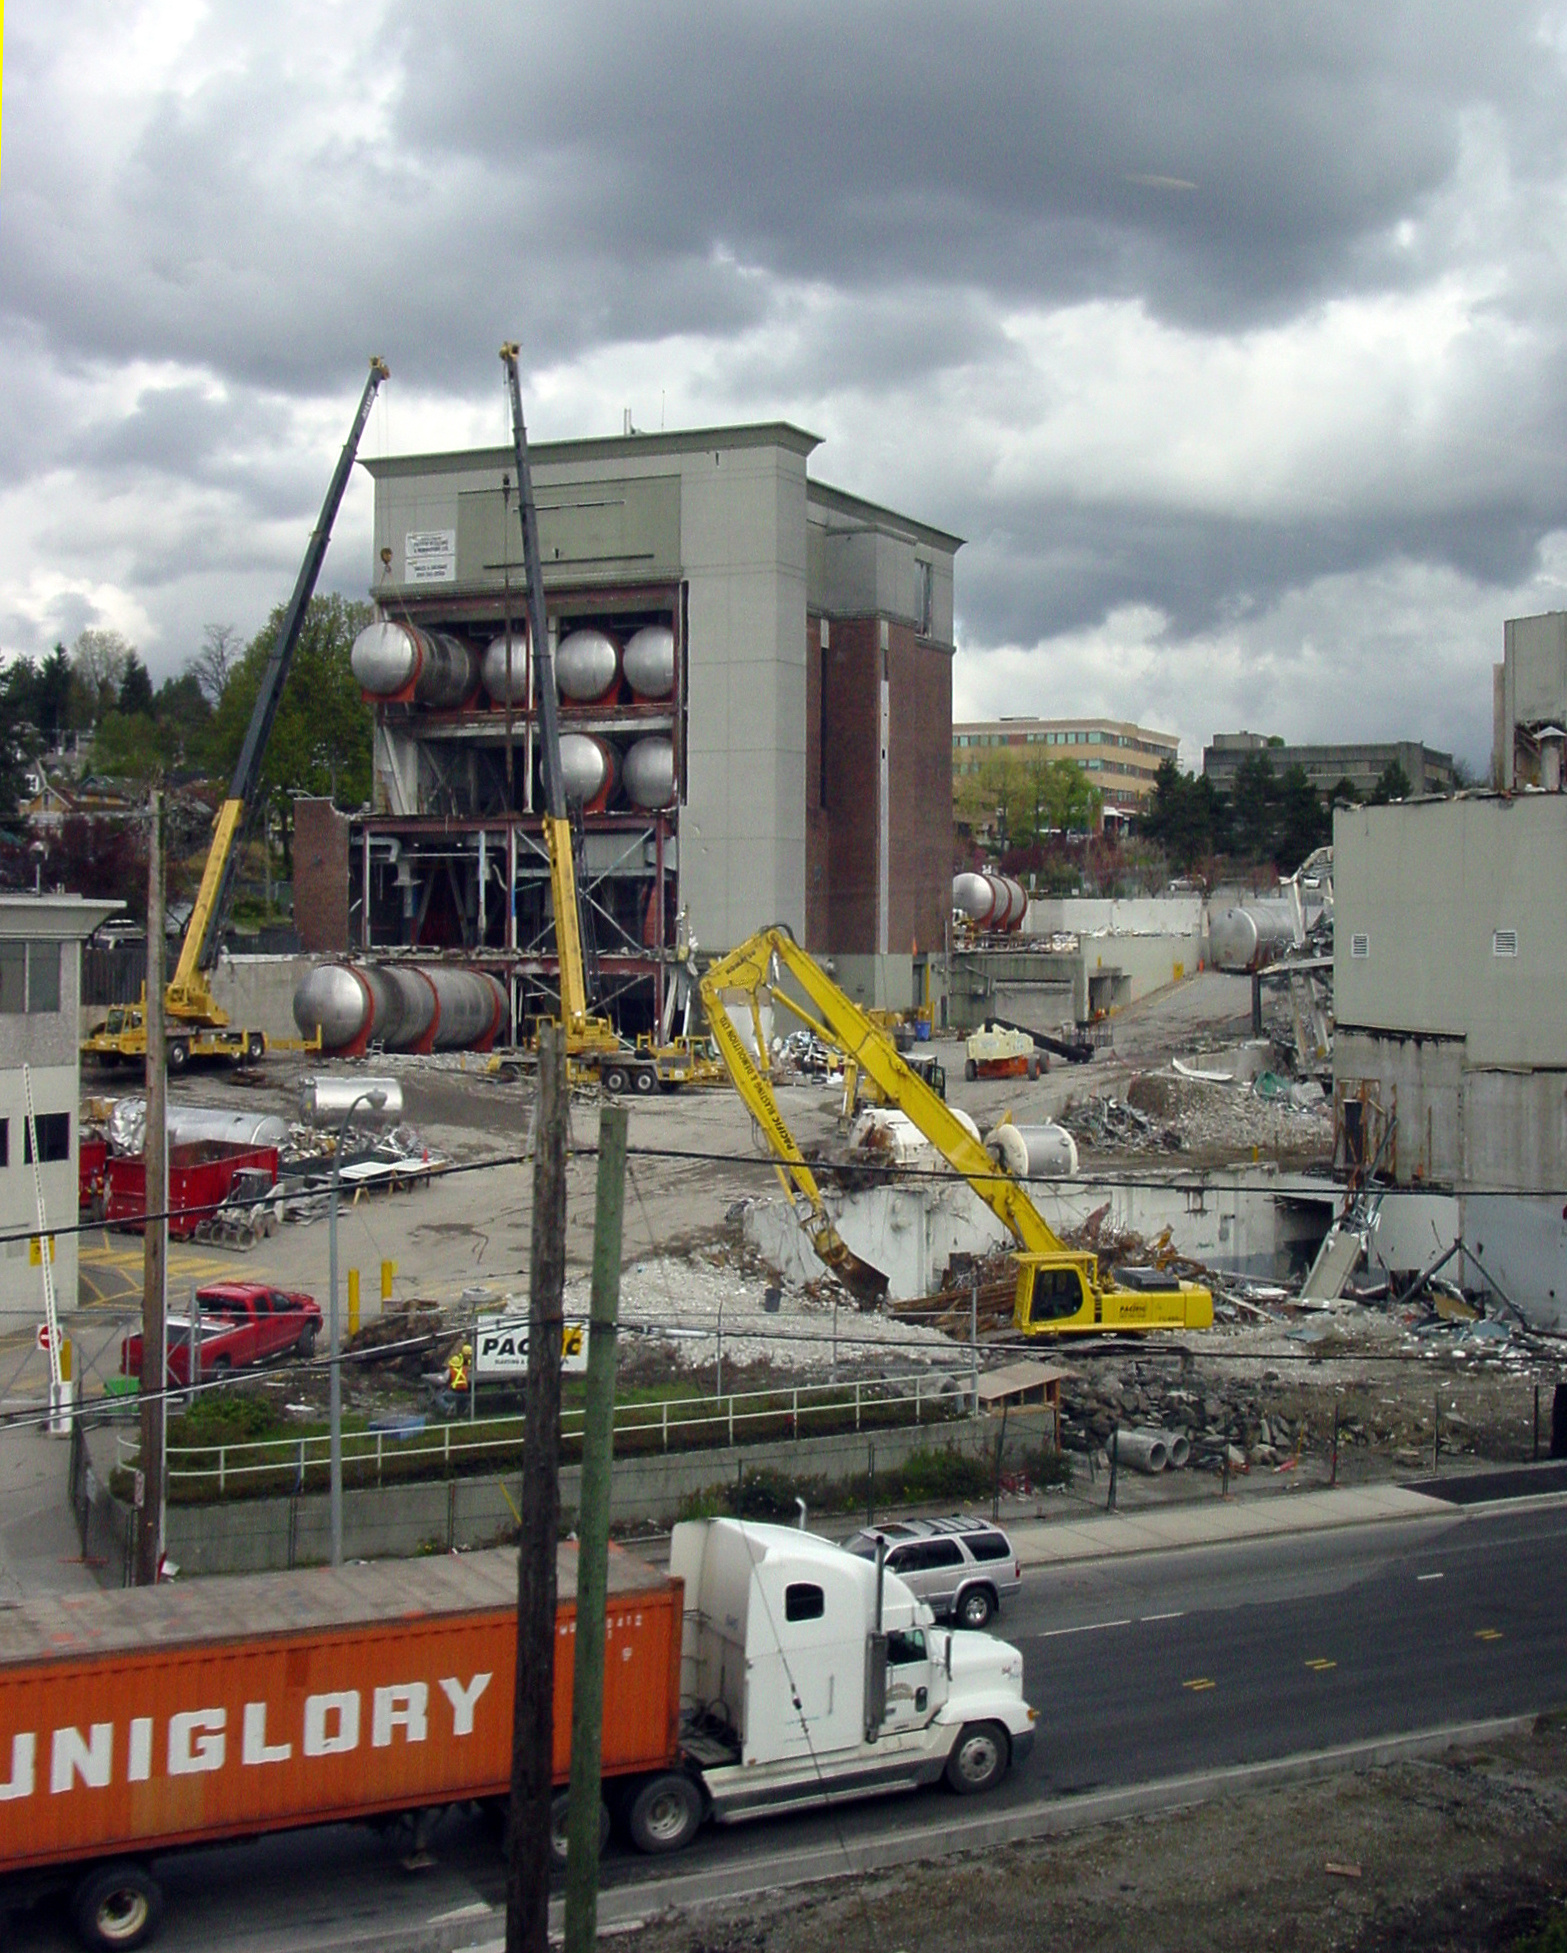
196	1026
1060	1291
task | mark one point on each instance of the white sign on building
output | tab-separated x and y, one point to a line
430	556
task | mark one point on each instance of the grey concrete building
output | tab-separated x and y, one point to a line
1450	943
806	732
1529	702
40	988
1362	764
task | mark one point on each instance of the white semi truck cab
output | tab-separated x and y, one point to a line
808	1675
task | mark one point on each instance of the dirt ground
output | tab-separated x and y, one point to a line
1463	1854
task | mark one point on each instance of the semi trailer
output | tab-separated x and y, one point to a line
768	1670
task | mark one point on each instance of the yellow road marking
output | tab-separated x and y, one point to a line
1488	1634
1200	1683
1320	1664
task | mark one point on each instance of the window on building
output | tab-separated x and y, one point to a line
43	977
922	598
5	1142
13	978
54	1138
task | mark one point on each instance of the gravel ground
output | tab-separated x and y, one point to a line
1466	1854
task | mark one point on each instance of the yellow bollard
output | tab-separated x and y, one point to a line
65	1359
388	1270
353	1301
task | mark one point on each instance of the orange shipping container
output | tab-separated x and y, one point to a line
134	1722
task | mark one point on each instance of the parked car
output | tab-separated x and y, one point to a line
241	1324
961	1568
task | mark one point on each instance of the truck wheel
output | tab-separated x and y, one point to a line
255	1048
178	1054
970	1070
644	1081
614	1080
560	1819
1033	1064
979	1758
307	1342
116	1906
975	1607
665	1813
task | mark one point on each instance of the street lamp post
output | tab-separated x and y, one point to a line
375	1099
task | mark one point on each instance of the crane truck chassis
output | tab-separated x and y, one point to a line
768	1671
1060	1290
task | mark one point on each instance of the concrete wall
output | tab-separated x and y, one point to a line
398	1522
1179	916
1531	684
258	991
1040	989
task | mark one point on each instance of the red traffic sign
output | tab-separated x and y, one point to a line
43	1337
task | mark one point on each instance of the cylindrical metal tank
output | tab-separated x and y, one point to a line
587	667
649	661
1047	1152
1246	939
493	668
649	773
388	658
995	903
324	1101
127	1126
591	769
470	1007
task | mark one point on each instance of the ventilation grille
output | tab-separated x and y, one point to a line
1360	947
1504	942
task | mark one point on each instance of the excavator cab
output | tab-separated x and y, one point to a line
1063	1294
1056	1293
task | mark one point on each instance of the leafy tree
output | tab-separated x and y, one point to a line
1252	802
1392	784
1061	798
1345	794
1301	822
135	694
128	746
320	742
99	661
1183	815
52	713
184	718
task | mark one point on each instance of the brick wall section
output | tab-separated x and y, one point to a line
920	782
818	867
321	876
851	671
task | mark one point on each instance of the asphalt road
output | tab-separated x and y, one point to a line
1143	1668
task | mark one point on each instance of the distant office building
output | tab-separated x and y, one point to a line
1122	760
1362	766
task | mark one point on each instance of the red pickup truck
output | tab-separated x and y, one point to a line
241	1323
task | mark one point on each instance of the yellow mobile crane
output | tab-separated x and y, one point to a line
1060	1290
197	1027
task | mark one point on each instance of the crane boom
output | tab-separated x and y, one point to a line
188	995
1059	1288
557	820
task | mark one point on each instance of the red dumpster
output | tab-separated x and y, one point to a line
201	1173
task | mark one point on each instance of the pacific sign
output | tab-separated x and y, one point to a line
501	1347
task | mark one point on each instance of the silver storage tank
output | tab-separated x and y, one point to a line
388	658
127	1126
649	773
587	667
649	661
470	1003
325	1101
1245	939
355	1003
493	668
1044	1152
590	767
991	902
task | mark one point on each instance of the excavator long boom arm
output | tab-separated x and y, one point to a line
187	992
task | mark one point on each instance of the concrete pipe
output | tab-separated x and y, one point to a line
649	662
323	1101
1046	1152
418	667
493	668
1180	1450
1241	940
587	667
1144	1451
591	769
649	773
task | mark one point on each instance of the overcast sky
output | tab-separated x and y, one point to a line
1231	336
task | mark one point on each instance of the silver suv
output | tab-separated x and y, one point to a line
963	1568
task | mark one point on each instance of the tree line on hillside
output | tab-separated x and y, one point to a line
186	733
1271	817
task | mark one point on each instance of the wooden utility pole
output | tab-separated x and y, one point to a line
533	1712
598	1456
155	1242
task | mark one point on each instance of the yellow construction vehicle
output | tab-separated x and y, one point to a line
1060	1290
196	1025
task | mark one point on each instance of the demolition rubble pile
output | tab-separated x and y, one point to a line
1164	1113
